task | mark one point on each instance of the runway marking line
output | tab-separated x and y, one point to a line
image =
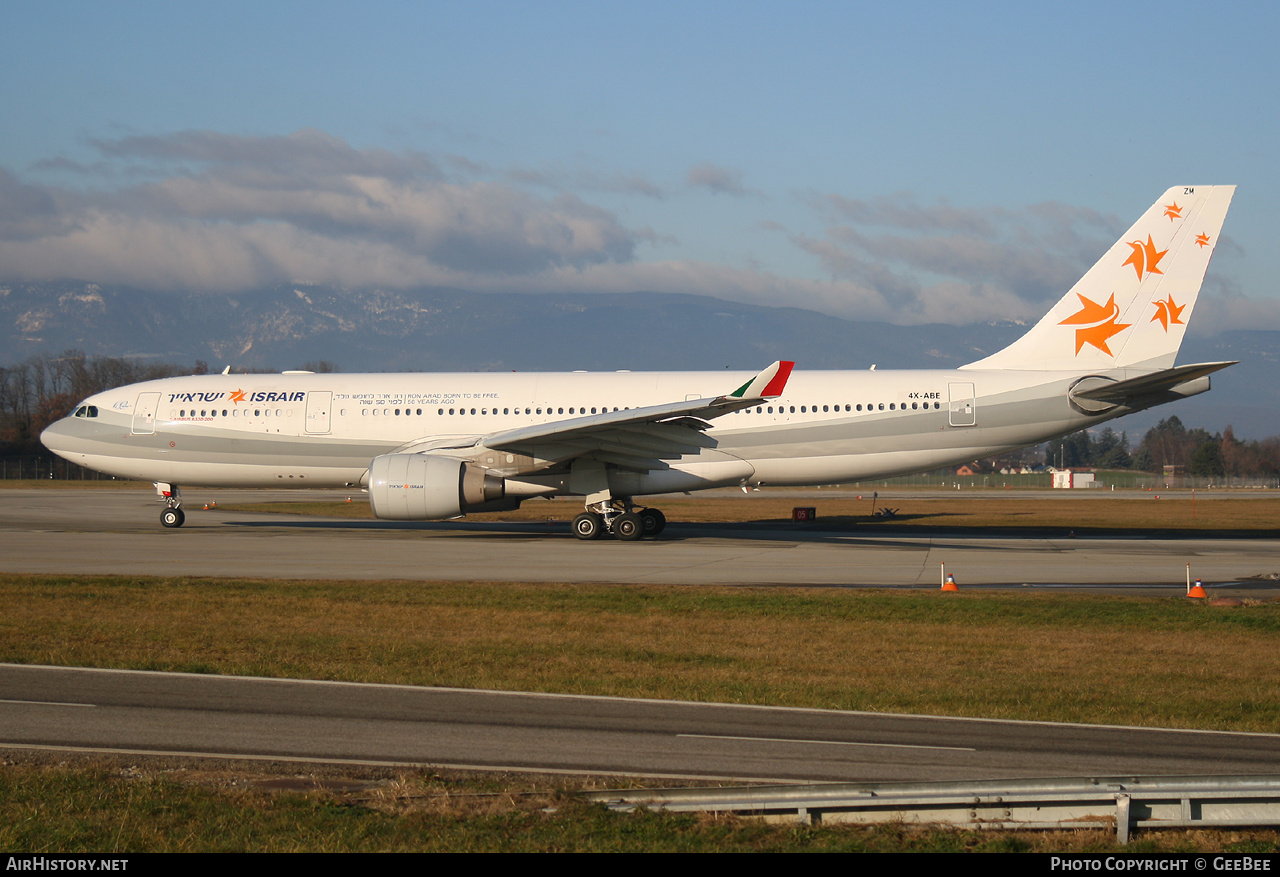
828	742
47	703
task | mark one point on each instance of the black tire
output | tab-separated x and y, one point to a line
172	518
628	527
588	525
654	521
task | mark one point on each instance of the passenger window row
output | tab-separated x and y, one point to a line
92	411
761	409
408	412
870	406
234	412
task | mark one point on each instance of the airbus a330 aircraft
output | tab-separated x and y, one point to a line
435	446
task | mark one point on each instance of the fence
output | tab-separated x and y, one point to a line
57	469
1119	479
47	469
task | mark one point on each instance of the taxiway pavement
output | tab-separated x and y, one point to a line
117	532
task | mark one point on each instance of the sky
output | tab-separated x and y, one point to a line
912	162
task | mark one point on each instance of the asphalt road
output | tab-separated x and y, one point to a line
117	531
169	713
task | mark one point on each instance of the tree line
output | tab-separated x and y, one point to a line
1192	451
41	389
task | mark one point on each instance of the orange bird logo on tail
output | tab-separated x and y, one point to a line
1145	257
1097	322
1167	312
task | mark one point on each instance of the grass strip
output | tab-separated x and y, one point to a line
1163	662
104	805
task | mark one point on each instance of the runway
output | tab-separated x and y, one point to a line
176	714
117	532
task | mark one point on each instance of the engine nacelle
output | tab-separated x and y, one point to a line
423	487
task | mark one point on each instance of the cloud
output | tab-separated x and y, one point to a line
28	212
899	211
588	181
845	298
203	210
306	154
224	212
721	181
1222	305
951	264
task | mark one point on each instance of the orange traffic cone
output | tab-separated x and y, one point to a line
1197	591
950	583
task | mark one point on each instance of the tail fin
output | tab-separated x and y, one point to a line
1131	309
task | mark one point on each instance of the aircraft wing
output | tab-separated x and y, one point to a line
640	438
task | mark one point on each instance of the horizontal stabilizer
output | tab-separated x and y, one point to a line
1158	382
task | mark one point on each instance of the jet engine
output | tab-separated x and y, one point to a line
419	487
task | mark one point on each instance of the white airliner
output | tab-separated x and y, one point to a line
435	446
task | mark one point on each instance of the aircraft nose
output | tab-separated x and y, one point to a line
58	437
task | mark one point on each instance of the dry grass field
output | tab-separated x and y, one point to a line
1056	657
60	803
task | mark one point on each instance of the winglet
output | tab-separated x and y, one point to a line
769	384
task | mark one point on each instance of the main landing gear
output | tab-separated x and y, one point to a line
620	520
172	516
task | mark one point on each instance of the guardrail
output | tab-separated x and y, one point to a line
1128	802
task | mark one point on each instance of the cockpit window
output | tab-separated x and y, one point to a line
87	411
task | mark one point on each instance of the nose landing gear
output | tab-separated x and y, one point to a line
171	495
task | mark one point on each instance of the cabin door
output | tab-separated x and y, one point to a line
963	409
144	414
319	406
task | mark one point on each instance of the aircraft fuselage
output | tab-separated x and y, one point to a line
322	430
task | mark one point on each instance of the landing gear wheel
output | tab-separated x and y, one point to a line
172	518
654	521
628	527
588	525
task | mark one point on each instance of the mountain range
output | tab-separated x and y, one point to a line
435	329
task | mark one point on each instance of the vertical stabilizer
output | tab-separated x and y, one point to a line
1131	309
